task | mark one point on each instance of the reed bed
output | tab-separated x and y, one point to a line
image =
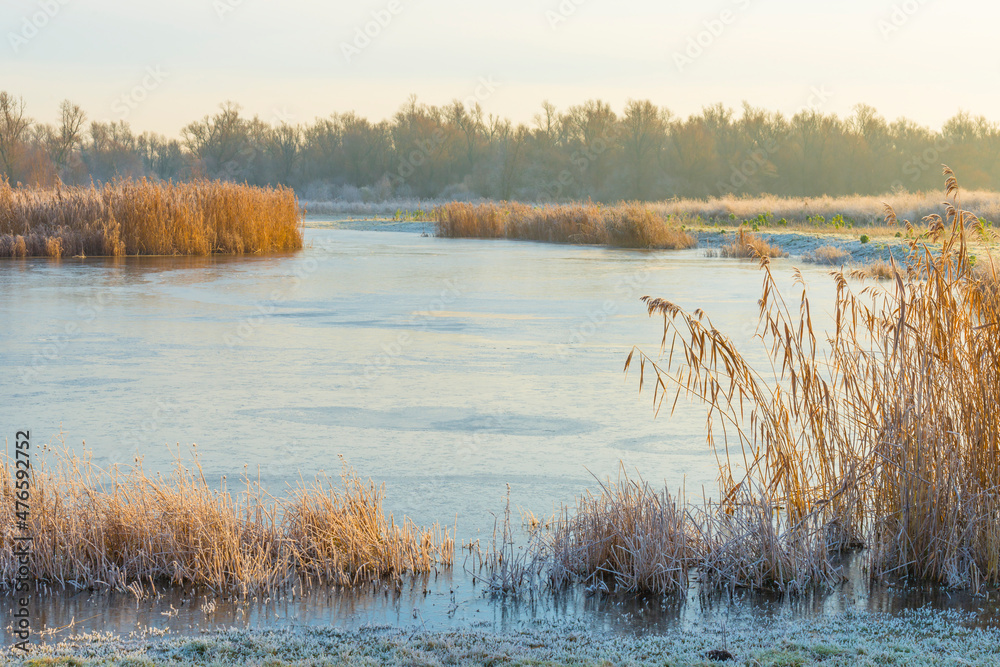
806	211
879	269
883	437
124	530
143	217
862	212
626	225
639	539
633	539
829	255
748	245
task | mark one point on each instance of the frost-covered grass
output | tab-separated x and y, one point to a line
917	638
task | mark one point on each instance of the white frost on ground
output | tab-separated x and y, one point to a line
923	637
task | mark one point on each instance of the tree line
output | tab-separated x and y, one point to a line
461	152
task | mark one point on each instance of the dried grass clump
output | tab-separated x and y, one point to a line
631	538
829	255
747	544
344	537
637	538
879	269
626	225
122	530
131	217
748	245
885	438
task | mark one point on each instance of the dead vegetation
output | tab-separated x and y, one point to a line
748	245
504	566
123	530
878	440
626	225
130	217
629	534
877	437
829	255
860	211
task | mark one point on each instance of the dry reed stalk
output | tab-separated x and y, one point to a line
345	538
888	439
829	255
129	217
748	245
626	225
877	270
121	530
510	569
630	535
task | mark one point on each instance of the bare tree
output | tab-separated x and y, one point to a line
221	142
70	133
286	143
643	135
14	125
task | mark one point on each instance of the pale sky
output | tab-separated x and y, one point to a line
162	65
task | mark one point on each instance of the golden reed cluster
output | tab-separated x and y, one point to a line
748	245
124	530
626	225
143	217
881	437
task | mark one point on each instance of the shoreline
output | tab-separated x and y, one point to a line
922	637
796	242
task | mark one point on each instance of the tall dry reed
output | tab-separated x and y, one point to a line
122	529
748	245
132	217
884	436
626	225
